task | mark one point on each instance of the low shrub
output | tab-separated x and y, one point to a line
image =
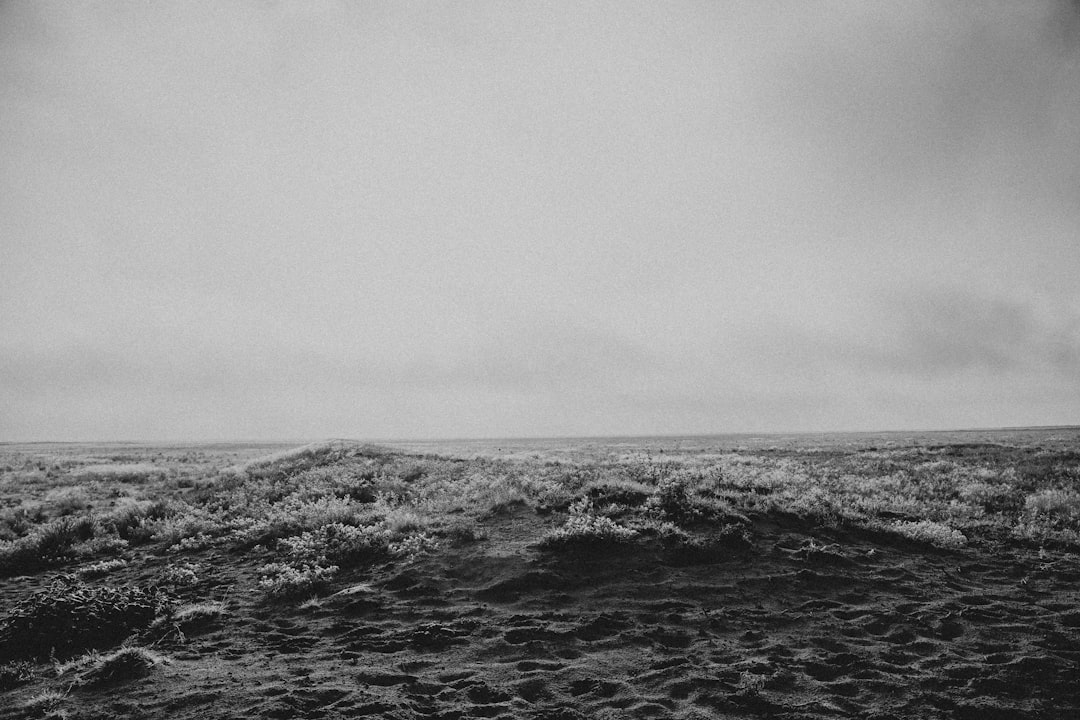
136	520
285	580
69	617
46	545
1055	504
53	540
991	498
463	531
584	529
676	500
101	569
930	532
404	520
182	574
17	521
338	544
672	498
621	492
293	515
67	500
413	546
649	472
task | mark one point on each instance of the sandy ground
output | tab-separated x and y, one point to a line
807	623
804	625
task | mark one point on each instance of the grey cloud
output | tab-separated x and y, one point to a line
957	99
562	357
938	332
412	219
519	359
1064	24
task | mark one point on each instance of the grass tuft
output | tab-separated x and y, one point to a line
930	532
127	663
46	704
15	673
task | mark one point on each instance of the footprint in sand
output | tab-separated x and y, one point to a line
538	665
594	686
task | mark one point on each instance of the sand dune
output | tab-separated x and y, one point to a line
805	621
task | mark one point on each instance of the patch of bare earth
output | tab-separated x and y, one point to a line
805	624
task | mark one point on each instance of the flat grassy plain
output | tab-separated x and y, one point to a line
896	575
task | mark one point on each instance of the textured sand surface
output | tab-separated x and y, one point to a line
807	622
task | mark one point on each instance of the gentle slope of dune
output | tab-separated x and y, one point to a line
710	602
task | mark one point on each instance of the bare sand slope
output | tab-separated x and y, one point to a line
807	623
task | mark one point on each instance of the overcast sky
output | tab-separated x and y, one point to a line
487	219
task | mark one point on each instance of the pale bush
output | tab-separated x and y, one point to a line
588	530
102	568
293	515
935	467
138	520
192	543
54	542
987	497
68	500
585	528
403	520
196	524
338	544
672	498
1058	504
182	574
282	580
931	532
811	501
19	520
412	546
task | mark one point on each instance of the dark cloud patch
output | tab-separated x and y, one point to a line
957	107
1064	24
937	333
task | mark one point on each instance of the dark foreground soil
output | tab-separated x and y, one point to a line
808	623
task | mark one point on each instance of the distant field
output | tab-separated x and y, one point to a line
890	575
1059	438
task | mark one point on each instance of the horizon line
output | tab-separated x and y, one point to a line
776	433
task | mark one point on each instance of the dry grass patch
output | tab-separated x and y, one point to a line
46	704
932	533
127	663
121	472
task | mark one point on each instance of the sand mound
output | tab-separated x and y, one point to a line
776	615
